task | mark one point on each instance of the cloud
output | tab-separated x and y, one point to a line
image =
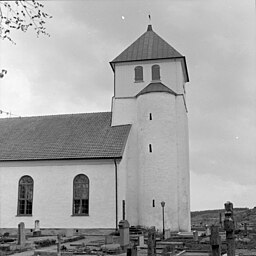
211	192
70	72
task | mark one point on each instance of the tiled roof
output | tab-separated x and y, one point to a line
150	46
74	136
156	87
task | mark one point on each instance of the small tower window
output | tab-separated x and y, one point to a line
138	74
150	148
150	116
153	203
155	72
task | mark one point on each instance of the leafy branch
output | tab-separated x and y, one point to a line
20	15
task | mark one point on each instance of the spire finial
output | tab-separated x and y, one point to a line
149	21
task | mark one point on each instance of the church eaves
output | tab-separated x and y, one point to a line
150	46
59	137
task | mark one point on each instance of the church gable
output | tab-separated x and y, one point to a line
76	136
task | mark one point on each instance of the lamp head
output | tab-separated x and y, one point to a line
162	203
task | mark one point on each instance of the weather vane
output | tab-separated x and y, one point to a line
149	19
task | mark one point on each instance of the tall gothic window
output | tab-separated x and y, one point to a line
155	72
138	74
25	196
81	195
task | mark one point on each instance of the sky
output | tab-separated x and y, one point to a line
69	72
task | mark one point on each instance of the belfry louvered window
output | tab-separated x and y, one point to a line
25	195
81	195
138	74
155	72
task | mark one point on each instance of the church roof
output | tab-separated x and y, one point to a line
156	87
149	46
74	136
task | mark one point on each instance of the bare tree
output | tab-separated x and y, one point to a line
21	15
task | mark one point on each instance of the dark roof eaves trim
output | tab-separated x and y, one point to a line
112	66
169	92
166	58
186	68
61	159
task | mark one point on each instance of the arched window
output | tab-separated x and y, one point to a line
155	72
25	197
81	195
138	74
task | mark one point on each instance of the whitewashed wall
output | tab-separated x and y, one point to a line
170	72
162	175
53	193
130	159
183	165
124	111
158	169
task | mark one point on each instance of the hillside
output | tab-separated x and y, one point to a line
209	217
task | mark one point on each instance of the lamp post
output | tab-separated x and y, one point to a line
163	204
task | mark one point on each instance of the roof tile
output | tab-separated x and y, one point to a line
74	136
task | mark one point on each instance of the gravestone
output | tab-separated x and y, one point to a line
69	232
58	244
152	241
108	239
131	251
167	233
37	231
21	234
208	231
141	240
245	229
195	235
215	241
124	233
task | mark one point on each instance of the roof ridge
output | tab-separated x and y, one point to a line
56	115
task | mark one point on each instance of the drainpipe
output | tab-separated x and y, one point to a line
116	194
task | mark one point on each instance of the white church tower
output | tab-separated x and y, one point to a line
149	93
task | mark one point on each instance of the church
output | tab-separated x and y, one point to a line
91	170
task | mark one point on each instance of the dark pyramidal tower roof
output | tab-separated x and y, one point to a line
150	46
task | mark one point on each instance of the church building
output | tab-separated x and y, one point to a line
91	170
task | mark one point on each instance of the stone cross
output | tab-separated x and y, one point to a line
229	226
21	234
